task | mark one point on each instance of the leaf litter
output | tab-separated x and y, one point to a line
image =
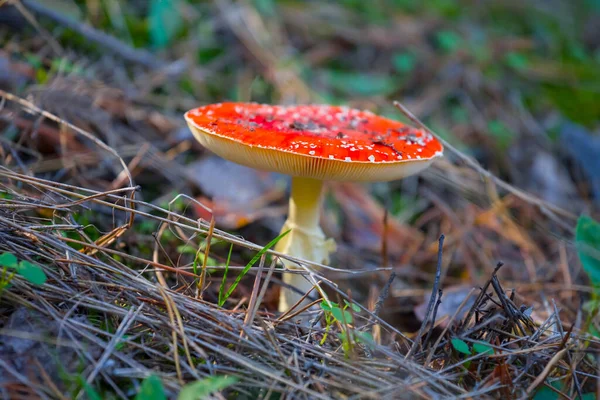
123	300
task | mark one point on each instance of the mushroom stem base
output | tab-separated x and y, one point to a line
305	240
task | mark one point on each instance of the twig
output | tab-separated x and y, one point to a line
482	294
439	339
202	280
565	338
384	294
434	291
384	240
121	330
378	305
254	295
435	309
545	372
263	290
543	205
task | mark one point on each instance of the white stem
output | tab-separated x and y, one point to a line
305	240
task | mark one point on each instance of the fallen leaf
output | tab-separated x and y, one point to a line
451	300
364	221
237	195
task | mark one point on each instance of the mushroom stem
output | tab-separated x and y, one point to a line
305	203
306	240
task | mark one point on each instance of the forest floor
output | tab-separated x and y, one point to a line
132	261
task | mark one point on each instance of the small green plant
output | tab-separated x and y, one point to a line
461	346
164	21
224	295
587	242
552	390
88	389
5	279
332	313
478	348
503	136
222	287
151	389
201	389
448	41
404	62
11	267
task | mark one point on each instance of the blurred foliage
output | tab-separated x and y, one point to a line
28	271
552	63
164	21
151	389
587	239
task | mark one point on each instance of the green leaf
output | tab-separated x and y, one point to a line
481	348
404	62
186	249
250	264
588	396
91	393
587	242
265	7
32	273
545	393
504	136
516	61
222	286
364	337
341	315
460	346
164	22
362	84
325	306
201	389
580	103
354	307
151	389
8	260
448	41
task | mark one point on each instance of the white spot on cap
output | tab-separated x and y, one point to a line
312	152
372	158
348	159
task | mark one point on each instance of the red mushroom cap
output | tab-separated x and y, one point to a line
317	141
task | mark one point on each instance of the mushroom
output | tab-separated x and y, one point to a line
312	144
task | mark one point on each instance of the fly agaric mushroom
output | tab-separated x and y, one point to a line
313	144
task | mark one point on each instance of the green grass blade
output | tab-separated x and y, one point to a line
195	263
250	264
151	389
222	287
201	389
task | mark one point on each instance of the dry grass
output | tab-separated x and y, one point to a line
96	188
115	310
